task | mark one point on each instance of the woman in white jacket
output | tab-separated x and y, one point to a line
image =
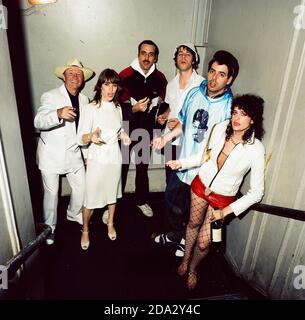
100	126
235	149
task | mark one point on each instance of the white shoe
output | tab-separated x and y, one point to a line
105	216
146	209
162	239
50	239
180	249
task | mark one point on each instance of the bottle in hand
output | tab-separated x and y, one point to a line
216	234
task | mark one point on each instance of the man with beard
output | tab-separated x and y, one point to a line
204	106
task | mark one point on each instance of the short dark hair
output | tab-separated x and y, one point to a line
253	106
151	43
227	58
195	61
107	75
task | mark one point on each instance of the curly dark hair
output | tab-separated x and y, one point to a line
253	106
107	75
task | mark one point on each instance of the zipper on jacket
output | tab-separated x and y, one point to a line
220	168
214	178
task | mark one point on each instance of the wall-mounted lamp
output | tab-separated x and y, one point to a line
36	5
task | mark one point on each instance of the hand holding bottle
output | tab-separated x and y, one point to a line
216	214
220	214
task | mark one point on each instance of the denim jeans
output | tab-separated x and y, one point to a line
177	208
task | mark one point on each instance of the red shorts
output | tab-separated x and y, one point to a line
214	199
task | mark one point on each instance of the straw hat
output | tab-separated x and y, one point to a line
59	71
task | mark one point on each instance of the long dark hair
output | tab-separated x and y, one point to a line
253	106
107	75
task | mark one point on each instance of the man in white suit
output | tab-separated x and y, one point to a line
58	152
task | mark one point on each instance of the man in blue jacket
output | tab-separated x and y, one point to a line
204	106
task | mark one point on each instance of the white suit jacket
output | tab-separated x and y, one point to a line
227	180
57	151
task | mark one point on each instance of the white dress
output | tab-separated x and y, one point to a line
104	161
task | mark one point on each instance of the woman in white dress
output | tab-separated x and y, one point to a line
100	127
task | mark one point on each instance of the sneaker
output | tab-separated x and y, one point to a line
105	216
162	239
146	209
180	248
50	239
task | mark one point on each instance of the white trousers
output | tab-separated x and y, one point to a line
50	198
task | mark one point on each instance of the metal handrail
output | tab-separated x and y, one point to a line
14	264
280	211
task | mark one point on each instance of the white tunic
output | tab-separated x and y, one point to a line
104	161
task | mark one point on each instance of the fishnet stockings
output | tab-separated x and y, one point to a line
198	230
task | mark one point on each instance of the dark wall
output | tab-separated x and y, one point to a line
21	76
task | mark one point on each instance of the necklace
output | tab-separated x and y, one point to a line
232	140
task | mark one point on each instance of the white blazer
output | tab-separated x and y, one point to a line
57	151
226	181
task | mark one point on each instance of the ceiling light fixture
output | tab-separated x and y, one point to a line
36	5
37	2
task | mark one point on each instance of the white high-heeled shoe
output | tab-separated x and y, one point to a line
111	234
84	244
